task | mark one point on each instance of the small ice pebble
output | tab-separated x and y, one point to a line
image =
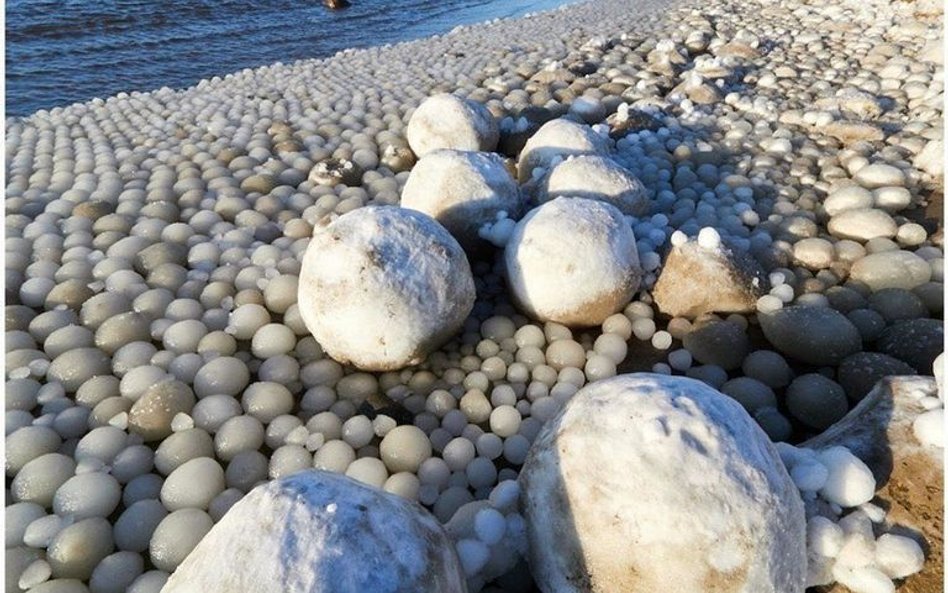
850	482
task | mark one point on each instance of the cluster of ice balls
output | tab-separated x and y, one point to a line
842	523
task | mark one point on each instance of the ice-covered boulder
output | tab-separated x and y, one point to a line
572	261
610	506
382	286
597	178
317	531
558	138
447	121
462	190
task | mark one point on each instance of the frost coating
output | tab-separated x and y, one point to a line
572	261
446	121
557	139
381	287
461	190
597	178
318	532
608	506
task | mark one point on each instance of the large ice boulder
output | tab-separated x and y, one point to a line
382	286
558	139
462	190
597	178
320	532
572	261
656	483
447	121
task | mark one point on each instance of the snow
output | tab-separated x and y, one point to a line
850	482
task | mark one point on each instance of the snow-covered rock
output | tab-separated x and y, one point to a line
447	121
558	138
462	190
316	531
608	506
572	261
382	286
596	178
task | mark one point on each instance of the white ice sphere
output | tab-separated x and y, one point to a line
596	177
898	556
318	531
824	537
193	484
929	428
381	287
734	519
558	139
462	190
176	536
404	448
573	261
850	482
863	579
809	476
489	525
447	121
82	496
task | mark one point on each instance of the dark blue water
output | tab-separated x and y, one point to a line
59	52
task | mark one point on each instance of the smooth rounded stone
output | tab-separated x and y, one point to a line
17	517
814	253
558	139
698	279
892	199
897	304
916	342
371	540
869	323
39	479
932	295
60	586
74	367
891	269
816	401
182	446
815	335
266	401
879	175
750	393
121	330
93	494
596	177
16	561
572	261
224	375
102	443
404	449
241	433
734	522
463	191
193	484
361	260
78	548
142	487
721	343
151	415
768	367
862	224
859	373
447	121
246	470
850	197
116	572
176	536
135	526
26	444
151	582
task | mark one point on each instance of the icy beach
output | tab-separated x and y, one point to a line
625	296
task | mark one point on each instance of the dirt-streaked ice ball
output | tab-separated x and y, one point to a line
381	287
318	531
573	261
608	507
447	121
462	190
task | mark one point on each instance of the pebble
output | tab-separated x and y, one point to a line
814	335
